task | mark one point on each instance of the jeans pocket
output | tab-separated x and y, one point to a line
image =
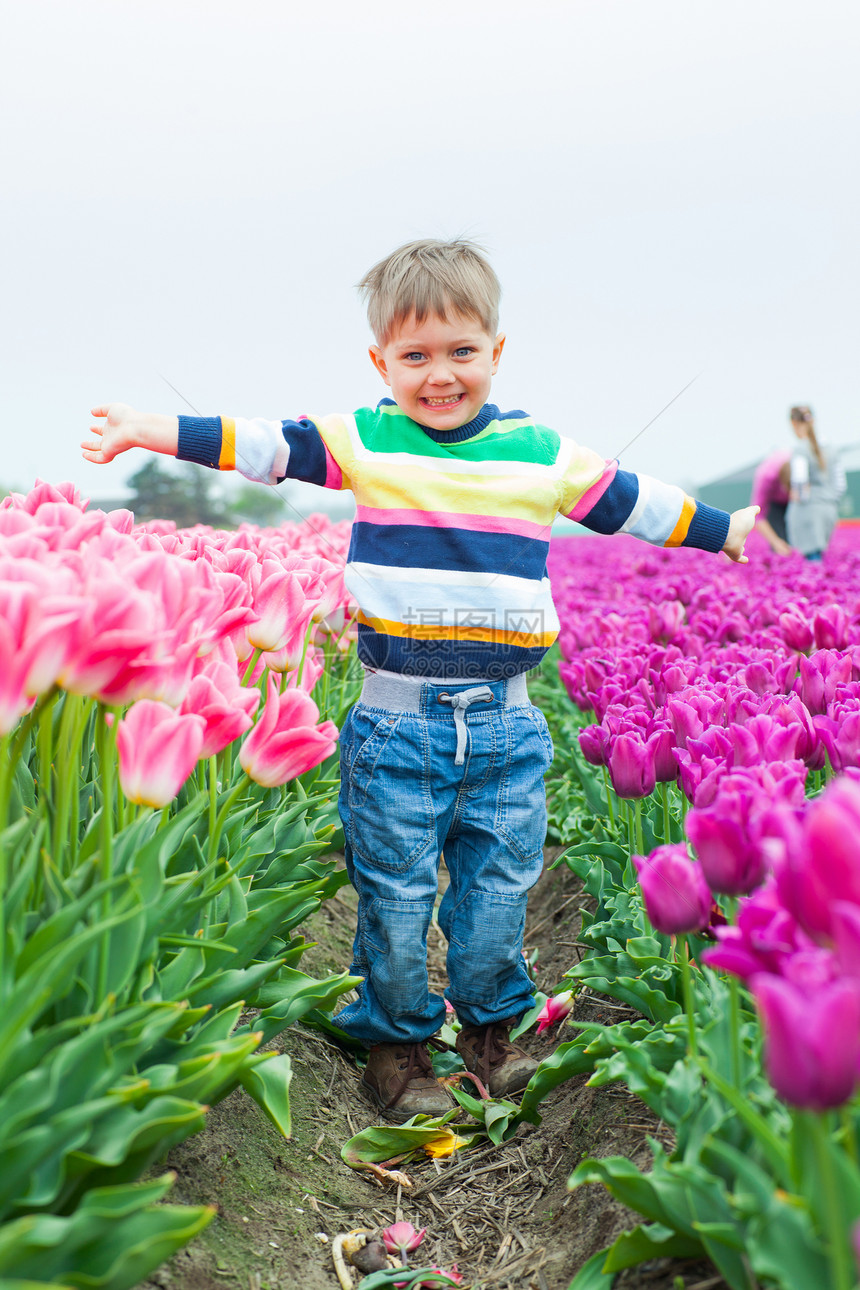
521	818
386	801
363	741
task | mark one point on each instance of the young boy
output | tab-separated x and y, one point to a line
447	563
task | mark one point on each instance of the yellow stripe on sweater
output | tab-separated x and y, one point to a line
227	458
429	631
682	528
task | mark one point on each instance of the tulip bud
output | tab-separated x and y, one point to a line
677	898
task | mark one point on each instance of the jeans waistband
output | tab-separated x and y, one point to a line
411	694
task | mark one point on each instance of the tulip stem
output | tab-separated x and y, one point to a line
631	828
45	744
836	1232
252	663
306	643
735	1023
107	754
72	723
687	986
637	816
609	798
229	802
6	772
667	820
213	797
848	1134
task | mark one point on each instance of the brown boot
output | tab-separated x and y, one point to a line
488	1053
400	1079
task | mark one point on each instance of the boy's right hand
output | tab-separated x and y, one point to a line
123	428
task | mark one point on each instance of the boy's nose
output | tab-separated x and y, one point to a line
440	374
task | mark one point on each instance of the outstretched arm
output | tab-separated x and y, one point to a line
124	428
741	524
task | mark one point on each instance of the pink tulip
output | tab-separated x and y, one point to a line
282	609
286	741
677	898
158	749
554	1010
226	706
402	1238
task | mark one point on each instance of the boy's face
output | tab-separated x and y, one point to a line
439	372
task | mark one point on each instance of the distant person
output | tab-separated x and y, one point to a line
770	493
817	481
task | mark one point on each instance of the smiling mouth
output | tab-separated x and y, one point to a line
449	401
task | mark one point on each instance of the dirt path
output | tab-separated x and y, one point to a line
502	1214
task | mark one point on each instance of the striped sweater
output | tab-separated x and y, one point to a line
447	560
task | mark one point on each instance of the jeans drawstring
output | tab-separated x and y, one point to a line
460	702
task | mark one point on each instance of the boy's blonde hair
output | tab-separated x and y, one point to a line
431	277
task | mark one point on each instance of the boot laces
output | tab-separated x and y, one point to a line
414	1061
494	1048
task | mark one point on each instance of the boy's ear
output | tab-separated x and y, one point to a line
379	362
498	346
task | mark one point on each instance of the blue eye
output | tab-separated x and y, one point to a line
463	352
412	355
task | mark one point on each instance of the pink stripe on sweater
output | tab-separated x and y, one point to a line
452	520
592	495
333	472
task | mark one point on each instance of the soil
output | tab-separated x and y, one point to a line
503	1215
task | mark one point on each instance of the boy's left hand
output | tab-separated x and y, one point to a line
740	526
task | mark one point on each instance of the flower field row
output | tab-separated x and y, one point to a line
167	789
169	705
713	708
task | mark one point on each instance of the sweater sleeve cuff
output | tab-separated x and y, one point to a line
200	441
708	529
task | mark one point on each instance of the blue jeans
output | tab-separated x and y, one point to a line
403	799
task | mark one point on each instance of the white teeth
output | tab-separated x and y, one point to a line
454	398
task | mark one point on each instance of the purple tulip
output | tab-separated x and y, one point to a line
819	677
796	630
593	744
665	621
812	1040
677	898
763	739
765	937
822	866
845	923
730	837
691	714
630	762
841	739
790	709
829	627
661	740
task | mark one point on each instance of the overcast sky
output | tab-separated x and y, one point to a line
666	188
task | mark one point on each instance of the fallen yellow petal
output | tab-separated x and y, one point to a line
444	1144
